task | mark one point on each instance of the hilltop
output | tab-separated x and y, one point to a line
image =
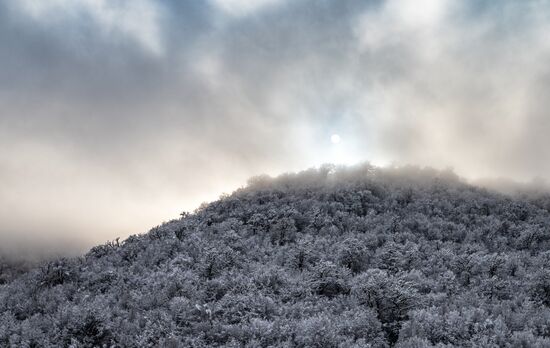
329	257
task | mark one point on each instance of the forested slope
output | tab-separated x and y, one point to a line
361	257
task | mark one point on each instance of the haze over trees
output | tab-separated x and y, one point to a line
329	257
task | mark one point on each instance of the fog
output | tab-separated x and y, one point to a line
116	116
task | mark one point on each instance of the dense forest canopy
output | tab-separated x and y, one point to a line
329	257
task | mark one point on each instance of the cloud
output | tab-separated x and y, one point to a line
399	21
239	8
138	20
115	115
458	86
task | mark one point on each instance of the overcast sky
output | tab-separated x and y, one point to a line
117	115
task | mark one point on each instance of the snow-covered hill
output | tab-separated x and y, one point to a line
345	257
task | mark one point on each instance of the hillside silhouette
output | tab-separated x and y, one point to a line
329	257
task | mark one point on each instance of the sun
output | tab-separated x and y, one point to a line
335	139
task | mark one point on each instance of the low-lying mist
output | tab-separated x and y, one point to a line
28	250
